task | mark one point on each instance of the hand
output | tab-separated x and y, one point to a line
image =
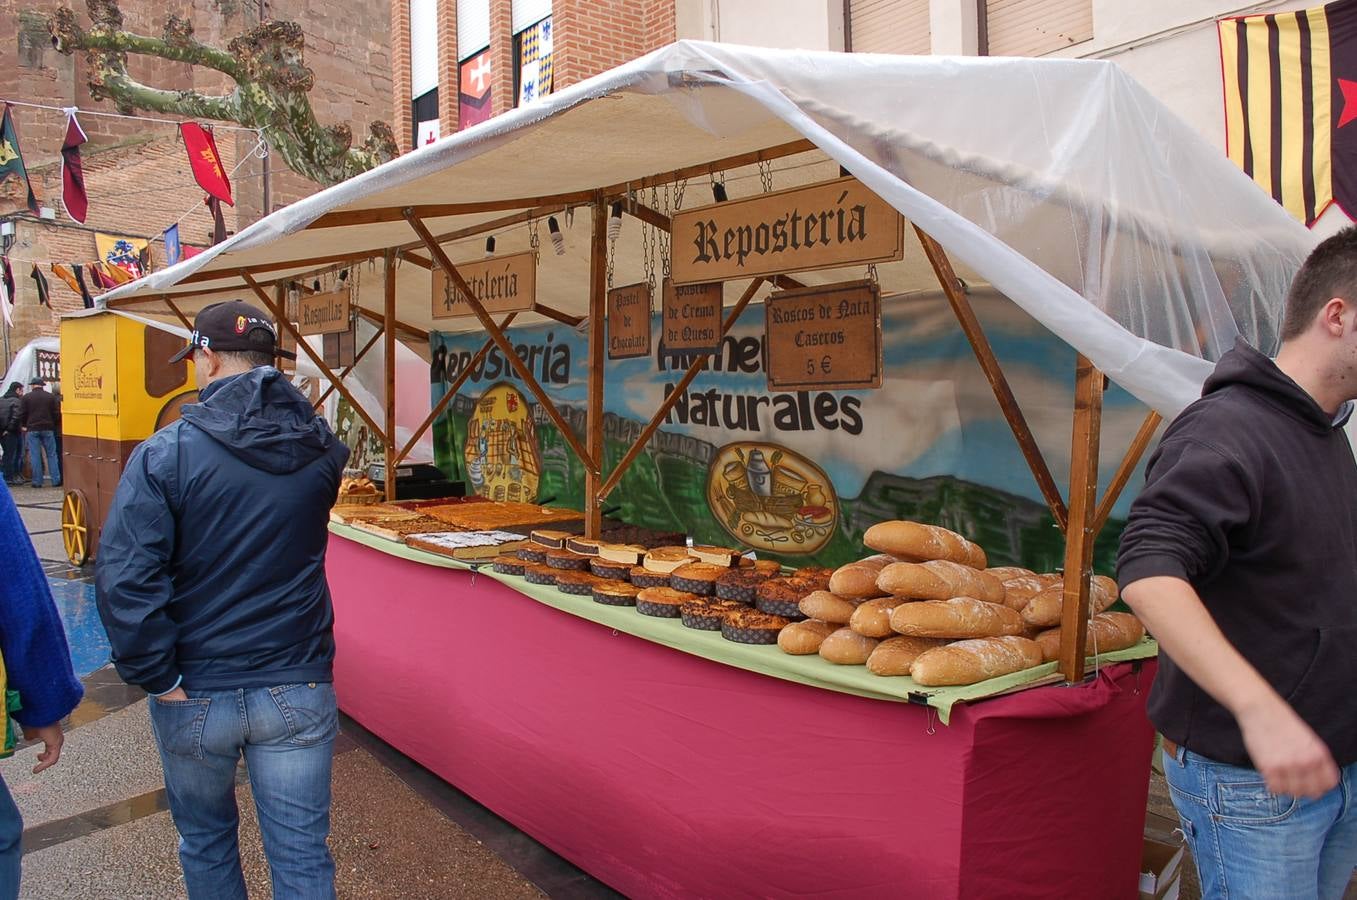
176	694
52	739
1287	752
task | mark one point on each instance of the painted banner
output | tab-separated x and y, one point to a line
474	93
835	223
501	283
795	474
121	252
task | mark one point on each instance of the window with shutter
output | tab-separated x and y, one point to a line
889	26
423	46
473	27
1035	27
529	12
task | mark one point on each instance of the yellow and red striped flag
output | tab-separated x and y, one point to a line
1291	103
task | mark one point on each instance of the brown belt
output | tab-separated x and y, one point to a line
1170	748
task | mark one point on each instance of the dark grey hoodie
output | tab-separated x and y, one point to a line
1252	498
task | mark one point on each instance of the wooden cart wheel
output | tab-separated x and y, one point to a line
75	529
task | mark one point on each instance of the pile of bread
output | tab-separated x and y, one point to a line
926	606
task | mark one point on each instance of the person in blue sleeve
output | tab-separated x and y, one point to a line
211	585
36	679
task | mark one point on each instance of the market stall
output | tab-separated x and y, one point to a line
668	761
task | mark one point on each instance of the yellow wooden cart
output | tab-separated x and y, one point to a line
117	388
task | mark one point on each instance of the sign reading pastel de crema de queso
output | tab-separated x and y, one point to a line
501	283
823	226
323	313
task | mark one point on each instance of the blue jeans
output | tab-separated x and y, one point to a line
11	835
286	735
46	441
1249	843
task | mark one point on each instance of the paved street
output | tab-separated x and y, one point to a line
96	825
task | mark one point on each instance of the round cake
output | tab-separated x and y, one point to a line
610	570
615	593
568	560
770	567
536	573
740	584
663	602
581	584
708	614
696	578
508	565
644	578
749	627
782	596
532	554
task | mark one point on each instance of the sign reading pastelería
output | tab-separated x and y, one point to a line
629	321
501	284
824	338
690	319
324	313
823	226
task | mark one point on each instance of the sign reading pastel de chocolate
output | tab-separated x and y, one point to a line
823	226
501	284
323	313
824	338
629	321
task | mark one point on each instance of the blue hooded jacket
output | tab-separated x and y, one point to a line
211	563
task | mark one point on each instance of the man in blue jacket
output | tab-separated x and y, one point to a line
36	665
211	584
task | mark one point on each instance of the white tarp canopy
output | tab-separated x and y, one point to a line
1062	183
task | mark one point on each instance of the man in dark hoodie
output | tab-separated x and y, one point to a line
211	584
1240	556
12	434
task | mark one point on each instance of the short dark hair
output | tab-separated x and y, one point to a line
1329	271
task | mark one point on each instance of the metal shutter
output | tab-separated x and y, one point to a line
1036	27
530	12
473	27
423	46
889	26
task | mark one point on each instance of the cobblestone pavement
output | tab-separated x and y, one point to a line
97	826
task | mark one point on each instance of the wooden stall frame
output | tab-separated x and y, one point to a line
372	341
389	368
1080	535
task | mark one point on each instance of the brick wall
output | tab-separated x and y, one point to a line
447	66
400	73
595	35
502	56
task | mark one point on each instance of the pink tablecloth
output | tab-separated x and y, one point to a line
667	775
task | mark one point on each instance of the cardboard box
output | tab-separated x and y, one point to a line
1161	869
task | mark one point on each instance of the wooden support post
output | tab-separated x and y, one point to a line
372	342
281	315
551	312
598	311
389	367
660	414
1008	404
1079	537
175	309
500	340
451	392
1128	465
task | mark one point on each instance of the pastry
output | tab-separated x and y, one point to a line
665	560
747	626
644	578
507	565
706	613
804	638
537	573
782	596
532	554
664	602
552	540
715	556
917	542
583	546
740	584
565	559
697	578
615	593
613	570
894	656
846	647
625	554
968	662
768	567
581	584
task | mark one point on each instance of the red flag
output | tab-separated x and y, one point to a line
73	171
206	161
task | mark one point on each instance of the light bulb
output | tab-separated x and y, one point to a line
489	246
718	191
557	239
615	222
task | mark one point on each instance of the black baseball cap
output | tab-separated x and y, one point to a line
228	326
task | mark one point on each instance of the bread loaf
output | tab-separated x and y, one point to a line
1004	573
846	647
828	607
968	662
959	617
804	638
872	618
1107	632
895	655
1019	591
916	542
857	581
939	580
1045	608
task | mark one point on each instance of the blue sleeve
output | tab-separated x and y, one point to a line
133	578
37	659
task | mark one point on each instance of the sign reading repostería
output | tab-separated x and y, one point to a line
690	318
323	313
824	338
629	321
836	223
501	283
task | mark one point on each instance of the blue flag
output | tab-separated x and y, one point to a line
172	244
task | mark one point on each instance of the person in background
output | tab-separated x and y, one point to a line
41	412
11	434
56	394
1240	556
35	664
226	625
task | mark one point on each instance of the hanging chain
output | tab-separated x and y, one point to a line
766	176
666	234
535	240
871	274
612	258
678	194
